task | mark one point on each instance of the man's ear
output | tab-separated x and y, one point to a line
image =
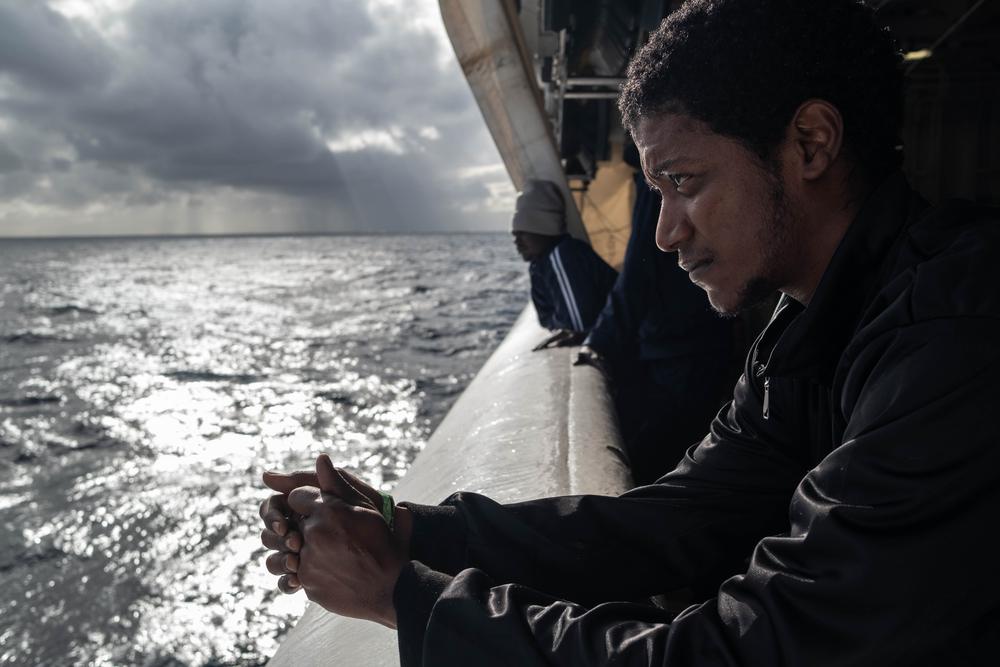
816	136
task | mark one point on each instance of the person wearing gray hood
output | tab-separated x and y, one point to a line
569	281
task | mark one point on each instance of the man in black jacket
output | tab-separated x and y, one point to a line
569	281
850	491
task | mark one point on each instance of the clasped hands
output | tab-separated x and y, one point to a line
331	540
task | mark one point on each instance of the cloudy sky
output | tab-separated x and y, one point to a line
223	116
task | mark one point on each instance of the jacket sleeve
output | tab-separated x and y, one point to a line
580	275
541	298
889	556
703	518
723	497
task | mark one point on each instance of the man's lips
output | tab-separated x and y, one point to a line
697	268
695	265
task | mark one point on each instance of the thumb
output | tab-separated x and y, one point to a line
285	482
303	499
332	482
329	481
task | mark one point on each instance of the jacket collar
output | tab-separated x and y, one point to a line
808	341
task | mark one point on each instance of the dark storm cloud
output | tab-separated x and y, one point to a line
336	109
42	49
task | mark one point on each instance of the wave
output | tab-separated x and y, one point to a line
210	376
338	397
32	557
34	338
68	446
56	446
69	309
28	401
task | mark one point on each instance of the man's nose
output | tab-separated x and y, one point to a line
672	228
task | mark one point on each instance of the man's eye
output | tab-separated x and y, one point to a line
678	179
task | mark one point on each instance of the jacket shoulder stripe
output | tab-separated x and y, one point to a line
567	289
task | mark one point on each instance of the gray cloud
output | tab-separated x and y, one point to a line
9	160
239	115
45	51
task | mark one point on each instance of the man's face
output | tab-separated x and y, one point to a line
727	218
531	246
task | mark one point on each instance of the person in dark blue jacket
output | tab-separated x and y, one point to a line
569	281
668	353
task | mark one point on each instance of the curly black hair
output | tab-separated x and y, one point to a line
744	66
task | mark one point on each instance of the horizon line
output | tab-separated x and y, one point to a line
87	237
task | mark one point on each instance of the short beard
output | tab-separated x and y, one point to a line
773	239
755	292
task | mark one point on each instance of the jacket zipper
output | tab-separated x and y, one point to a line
767	398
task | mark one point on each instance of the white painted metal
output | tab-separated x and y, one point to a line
489	44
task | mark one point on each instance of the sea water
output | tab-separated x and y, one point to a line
145	384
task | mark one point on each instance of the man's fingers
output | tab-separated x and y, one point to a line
303	499
272	540
274	512
275	503
282	563
541	346
285	482
552	340
289	583
292	541
570	338
275	564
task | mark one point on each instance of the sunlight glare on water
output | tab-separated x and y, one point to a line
146	384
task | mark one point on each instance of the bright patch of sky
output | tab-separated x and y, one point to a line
105	17
351	142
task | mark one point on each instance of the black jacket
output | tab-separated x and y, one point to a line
569	285
858	468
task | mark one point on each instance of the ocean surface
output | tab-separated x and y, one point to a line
146	383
